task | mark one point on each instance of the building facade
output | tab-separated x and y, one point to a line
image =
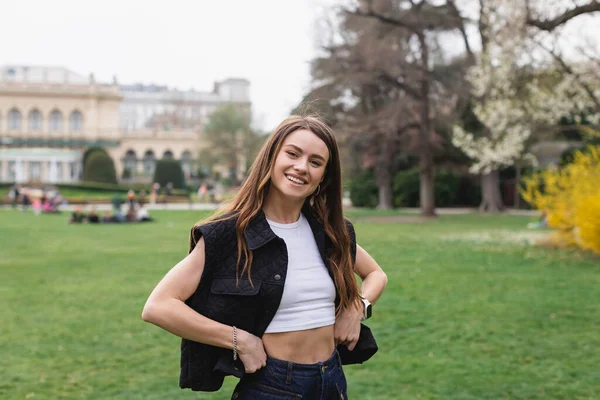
157	122
49	116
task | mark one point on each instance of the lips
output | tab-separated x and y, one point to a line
296	179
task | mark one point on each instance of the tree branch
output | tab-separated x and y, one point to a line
550	24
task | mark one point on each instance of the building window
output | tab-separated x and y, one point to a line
14	120
56	121
35	171
168	155
76	121
73	172
149	162
130	163
35	120
12	171
186	163
59	171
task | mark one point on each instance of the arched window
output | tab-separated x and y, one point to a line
35	120
168	155
56	121
130	162
76	121
149	162
14	120
186	162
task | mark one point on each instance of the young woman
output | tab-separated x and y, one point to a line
268	292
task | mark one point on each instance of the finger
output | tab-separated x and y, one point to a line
352	345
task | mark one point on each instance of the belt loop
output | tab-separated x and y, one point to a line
290	368
339	358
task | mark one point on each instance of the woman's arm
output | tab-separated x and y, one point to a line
166	308
374	280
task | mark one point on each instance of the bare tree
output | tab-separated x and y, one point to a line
416	25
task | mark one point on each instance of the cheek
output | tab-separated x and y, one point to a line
319	175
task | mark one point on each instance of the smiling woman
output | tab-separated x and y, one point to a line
270	281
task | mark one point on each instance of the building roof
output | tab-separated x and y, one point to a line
40	74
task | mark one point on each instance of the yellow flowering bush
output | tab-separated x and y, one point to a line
570	198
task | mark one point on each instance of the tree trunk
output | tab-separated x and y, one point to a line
517	184
426	171
426	186
383	177
490	189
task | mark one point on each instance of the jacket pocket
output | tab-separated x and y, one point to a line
229	286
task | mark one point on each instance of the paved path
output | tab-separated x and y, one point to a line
210	206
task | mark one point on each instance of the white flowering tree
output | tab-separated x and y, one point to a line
509	107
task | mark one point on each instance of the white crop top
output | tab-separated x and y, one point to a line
308	299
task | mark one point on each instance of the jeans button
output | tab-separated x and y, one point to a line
277	277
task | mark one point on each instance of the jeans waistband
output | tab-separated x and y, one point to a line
289	367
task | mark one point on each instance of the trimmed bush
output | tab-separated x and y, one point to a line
99	167
363	190
169	171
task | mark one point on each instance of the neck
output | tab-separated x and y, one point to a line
283	211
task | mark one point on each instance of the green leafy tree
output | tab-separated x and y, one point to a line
231	140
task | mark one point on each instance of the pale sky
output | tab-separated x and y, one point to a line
180	43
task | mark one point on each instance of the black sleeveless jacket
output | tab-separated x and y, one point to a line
248	307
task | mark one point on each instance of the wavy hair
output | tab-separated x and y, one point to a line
326	204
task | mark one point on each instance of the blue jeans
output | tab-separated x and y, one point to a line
283	380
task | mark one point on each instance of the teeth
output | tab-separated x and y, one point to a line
295	180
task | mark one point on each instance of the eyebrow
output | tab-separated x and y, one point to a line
301	151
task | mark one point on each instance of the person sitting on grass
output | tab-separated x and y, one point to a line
143	215
119	215
93	216
107	218
77	217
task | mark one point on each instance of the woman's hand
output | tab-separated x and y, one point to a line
347	326
251	351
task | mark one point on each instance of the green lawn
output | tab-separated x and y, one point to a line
472	311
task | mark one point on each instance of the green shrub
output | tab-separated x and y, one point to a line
363	190
405	188
469	191
99	167
168	170
446	188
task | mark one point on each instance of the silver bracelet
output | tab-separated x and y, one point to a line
235	343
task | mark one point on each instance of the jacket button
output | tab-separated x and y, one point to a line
277	277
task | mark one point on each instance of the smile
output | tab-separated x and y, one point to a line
295	180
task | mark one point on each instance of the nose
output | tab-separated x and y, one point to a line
301	165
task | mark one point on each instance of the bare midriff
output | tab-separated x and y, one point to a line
309	346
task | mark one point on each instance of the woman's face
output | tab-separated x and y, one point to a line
300	165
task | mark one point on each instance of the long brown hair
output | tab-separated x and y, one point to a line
326	204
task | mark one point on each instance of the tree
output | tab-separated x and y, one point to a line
99	167
510	100
231	139
379	63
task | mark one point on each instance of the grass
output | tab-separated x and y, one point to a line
472	311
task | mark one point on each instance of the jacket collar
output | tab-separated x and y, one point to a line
259	232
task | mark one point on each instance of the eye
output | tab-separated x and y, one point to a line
316	163
291	153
